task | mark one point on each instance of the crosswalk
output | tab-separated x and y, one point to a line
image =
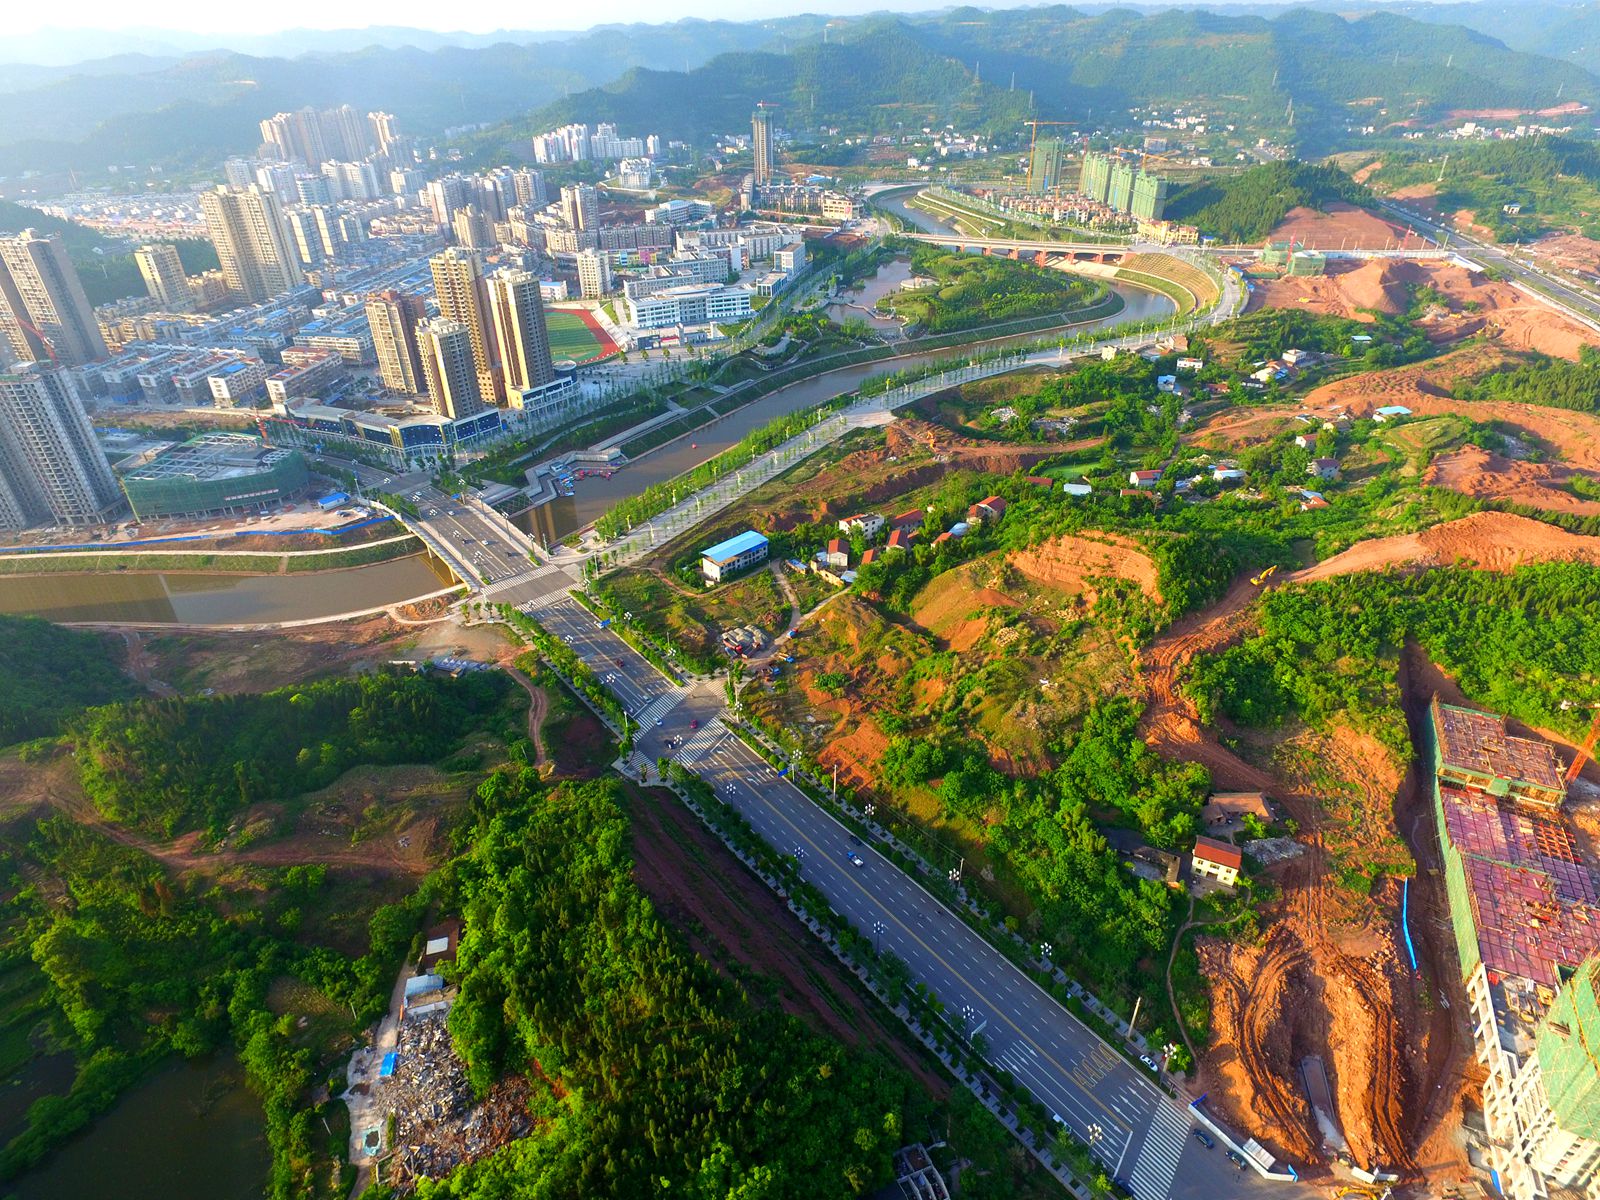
701	742
661	706
1151	1177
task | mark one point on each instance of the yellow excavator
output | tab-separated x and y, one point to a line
1258	580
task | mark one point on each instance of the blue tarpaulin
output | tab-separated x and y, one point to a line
389	1060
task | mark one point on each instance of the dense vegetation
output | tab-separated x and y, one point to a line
47	673
175	764
1526	643
1554	180
970	290
667	1077
1248	206
1552	382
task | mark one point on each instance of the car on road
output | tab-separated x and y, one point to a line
1205	1139
854	840
854	859
1237	1159
658	722
1149	1062
695	724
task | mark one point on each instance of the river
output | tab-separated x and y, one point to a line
192	598
191	1132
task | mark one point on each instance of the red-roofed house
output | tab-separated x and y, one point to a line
907	522
1215	860
900	540
991	509
1043	481
871	556
943	537
1144	478
837	556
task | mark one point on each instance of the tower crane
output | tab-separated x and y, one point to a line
1033	140
1585	751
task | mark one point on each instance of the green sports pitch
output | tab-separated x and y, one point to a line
571	337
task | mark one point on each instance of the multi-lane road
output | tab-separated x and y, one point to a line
1142	1136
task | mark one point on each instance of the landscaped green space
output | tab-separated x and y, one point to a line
971	290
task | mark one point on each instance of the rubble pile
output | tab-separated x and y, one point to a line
437	1124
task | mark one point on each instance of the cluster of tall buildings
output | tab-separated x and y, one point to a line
488	346
1122	187
576	143
314	136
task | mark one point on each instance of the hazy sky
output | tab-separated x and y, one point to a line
210	17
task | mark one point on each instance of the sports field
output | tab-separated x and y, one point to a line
575	334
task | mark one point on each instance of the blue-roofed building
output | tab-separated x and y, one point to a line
732	556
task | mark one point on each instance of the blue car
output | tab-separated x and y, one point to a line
854	859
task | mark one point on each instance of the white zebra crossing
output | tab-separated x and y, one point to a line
1153	1170
660	707
701	743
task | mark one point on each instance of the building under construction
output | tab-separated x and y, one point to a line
1525	909
1123	187
1294	259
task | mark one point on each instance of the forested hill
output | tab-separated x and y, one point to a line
878	76
1246	207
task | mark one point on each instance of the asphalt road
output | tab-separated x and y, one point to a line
1143	1137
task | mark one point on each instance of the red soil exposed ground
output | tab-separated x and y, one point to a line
1342	227
1072	564
1489	541
1474	303
1474	471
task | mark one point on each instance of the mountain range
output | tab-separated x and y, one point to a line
1303	75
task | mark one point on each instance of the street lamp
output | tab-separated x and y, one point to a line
878	930
1045	949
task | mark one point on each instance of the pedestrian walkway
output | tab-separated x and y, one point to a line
661	706
701	743
1151	1177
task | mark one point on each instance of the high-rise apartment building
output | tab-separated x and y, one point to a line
313	136
44	313
1044	166
580	206
164	276
463	295
447	363
1149	196
530	188
761	143
524	343
393	318
306	236
444	196
594	274
473	228
54	469
1095	180
385	131
253	242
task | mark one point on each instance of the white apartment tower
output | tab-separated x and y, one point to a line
54	469
580	206
253	243
44	313
594	274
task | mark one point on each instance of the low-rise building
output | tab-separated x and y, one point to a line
736	554
1144	478
866	524
1323	468
907	522
836	556
1215	860
992	508
692	304
211	475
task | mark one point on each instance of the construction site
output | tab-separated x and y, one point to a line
1525	910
